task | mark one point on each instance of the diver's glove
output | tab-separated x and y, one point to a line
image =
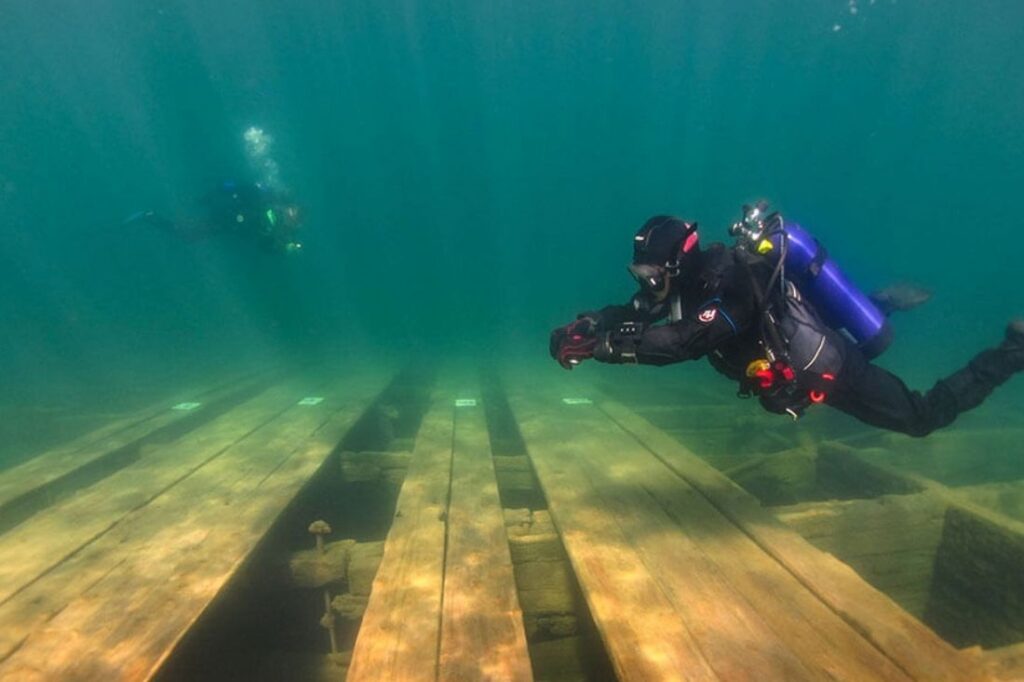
572	344
619	346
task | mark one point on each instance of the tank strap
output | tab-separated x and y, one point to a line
770	336
818	262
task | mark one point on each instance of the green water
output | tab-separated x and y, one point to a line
473	173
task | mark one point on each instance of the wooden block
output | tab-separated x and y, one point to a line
561	660
400	632
309	568
127	598
482	636
912	646
533	547
364	561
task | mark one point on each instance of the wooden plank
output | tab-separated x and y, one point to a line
400	633
44	471
482	635
643	633
31	549
159	568
877	526
1006	497
891	541
911	645
1006	663
722	586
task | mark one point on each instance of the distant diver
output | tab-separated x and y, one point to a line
776	314
252	211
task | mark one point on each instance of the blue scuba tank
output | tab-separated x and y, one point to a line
838	301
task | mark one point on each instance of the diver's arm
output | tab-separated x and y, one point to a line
639	309
688	339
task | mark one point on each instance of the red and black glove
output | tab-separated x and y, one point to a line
575	342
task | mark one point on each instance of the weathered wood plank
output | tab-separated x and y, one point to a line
725	589
890	541
1006	663
1005	498
164	564
911	645
643	632
31	549
482	635
47	469
877	526
400	633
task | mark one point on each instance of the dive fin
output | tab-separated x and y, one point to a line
900	297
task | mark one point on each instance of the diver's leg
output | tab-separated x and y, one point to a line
152	219
880	398
187	230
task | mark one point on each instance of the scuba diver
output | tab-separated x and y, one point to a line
777	315
252	211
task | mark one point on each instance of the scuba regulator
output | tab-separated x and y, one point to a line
754	230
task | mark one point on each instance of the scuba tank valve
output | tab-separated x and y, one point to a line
797	253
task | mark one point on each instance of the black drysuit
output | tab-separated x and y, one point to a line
721	320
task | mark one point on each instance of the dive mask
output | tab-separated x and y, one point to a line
653	279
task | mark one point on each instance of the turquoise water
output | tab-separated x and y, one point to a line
473	173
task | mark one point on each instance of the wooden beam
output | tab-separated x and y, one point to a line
917	650
37	482
400	634
1006	663
129	597
36	546
723	588
482	636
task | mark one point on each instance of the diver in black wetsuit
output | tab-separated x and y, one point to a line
729	305
250	210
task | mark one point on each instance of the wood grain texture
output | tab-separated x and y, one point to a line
482	635
400	634
917	650
127	599
48	468
750	619
44	541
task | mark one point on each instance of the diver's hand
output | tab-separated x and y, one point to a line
575	342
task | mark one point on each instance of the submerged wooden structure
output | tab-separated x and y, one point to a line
101	582
684	574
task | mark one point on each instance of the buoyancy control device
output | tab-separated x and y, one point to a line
807	303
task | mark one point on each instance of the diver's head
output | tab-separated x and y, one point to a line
291	216
663	249
293	247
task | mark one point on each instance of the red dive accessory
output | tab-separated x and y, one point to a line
776	385
769	374
574	343
819	396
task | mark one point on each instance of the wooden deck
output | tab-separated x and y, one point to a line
443	604
685	575
103	584
39	481
688	578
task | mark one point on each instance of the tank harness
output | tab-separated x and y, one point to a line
802	355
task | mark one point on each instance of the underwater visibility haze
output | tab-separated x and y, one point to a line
469	175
